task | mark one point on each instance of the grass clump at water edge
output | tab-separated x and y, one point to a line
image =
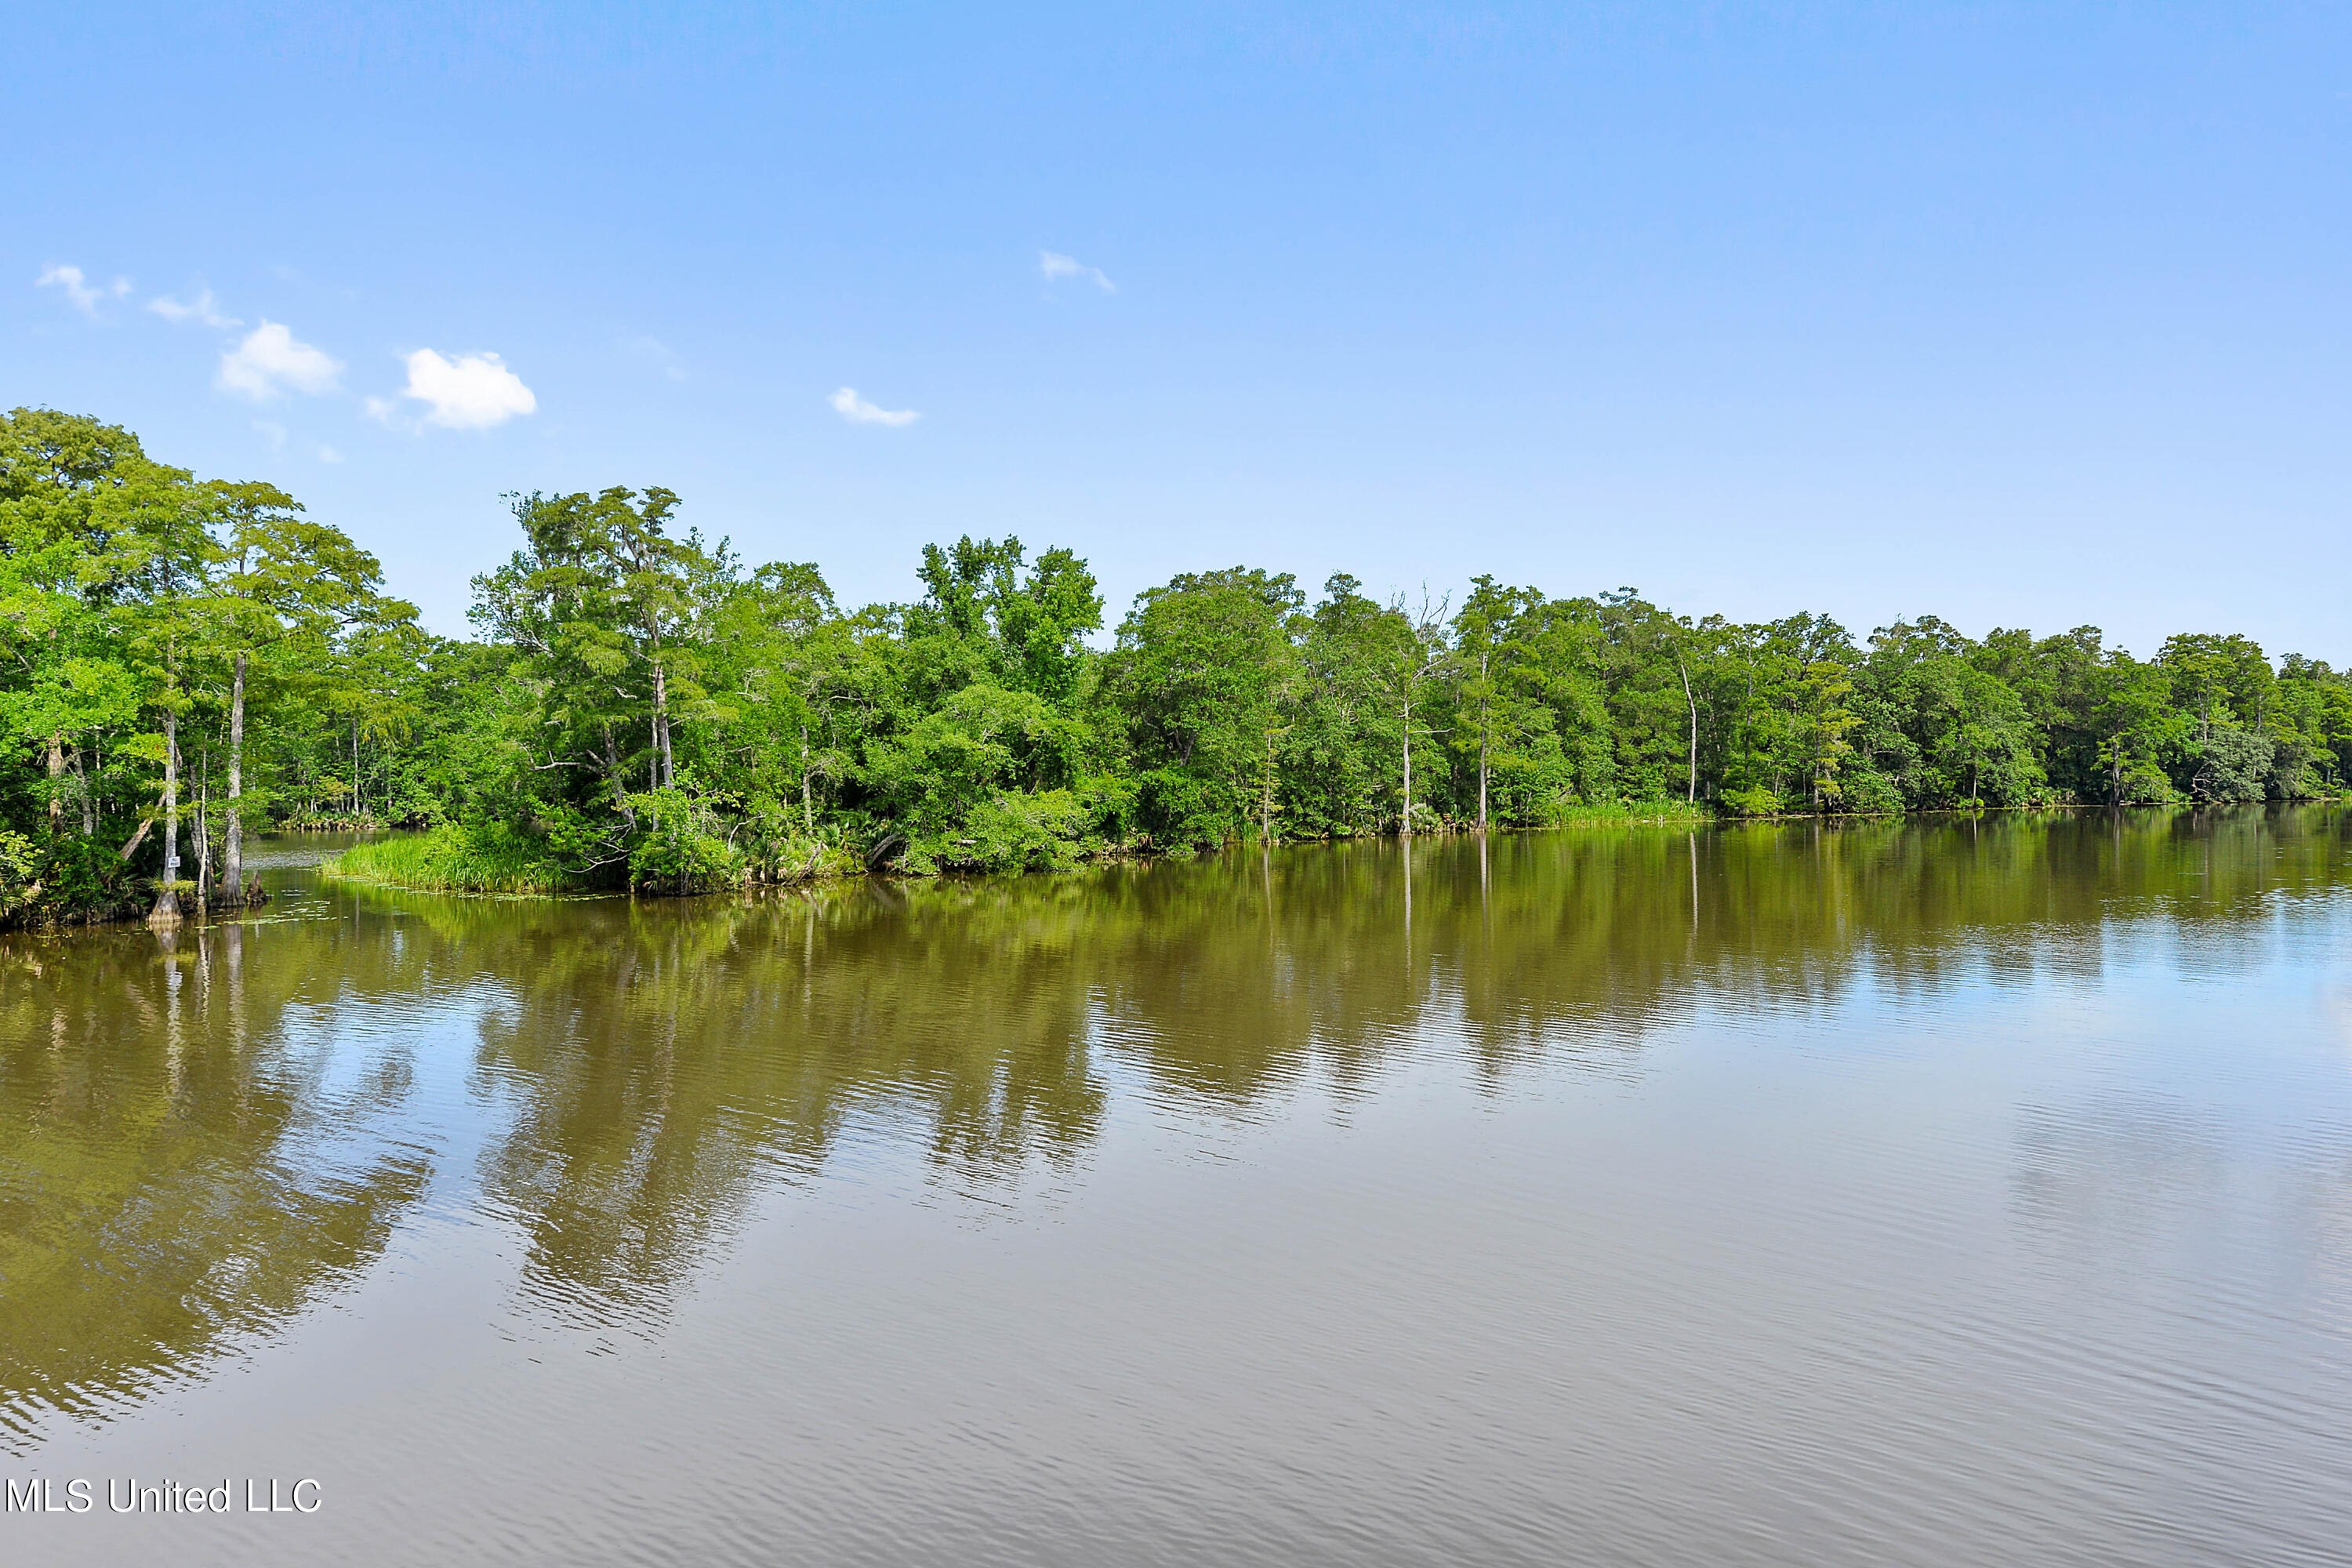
1630	814
455	859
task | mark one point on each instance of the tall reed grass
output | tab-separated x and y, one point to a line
1632	812
450	859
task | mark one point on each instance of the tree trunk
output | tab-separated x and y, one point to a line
83	794
1748	734
808	812
664	772
139	835
1485	733
1690	795
1407	828
1266	796
166	912
233	841
203	830
56	781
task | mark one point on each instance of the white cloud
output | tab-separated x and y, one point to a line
472	391
270	360
78	288
329	455
1055	265
379	409
858	410
203	307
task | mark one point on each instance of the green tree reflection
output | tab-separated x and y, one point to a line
670	1058
193	1146
174	1168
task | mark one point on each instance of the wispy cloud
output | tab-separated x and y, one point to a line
658	352
270	360
329	455
858	410
85	294
1054	265
204	307
472	391
272	432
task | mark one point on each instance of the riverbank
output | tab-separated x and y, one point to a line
500	861
452	858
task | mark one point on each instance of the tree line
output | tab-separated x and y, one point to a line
187	661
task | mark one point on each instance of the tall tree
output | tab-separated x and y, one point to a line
1489	644
1419	651
611	614
1199	670
90	529
283	587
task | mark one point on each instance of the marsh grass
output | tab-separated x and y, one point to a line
1632	812
453	860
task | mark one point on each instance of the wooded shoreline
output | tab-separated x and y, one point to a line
184	661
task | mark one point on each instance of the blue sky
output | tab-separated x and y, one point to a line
2017	315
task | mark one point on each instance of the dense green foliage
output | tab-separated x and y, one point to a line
643	711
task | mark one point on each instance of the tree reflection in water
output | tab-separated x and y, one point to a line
666	1056
182	1163
191	1156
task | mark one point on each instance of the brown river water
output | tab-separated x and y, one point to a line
1946	1192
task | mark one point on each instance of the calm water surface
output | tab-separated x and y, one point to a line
1937	1194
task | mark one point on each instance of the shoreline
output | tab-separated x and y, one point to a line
331	871
136	912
